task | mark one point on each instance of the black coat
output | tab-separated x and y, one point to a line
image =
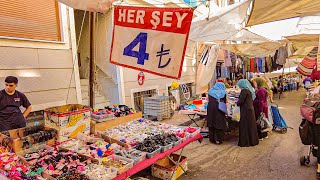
248	134
215	117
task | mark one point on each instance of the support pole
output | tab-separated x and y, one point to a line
92	19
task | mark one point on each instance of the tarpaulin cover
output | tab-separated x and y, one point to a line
306	35
253	49
222	23
148	162
264	11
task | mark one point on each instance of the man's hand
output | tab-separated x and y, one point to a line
27	111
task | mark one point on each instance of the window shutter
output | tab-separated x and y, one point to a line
31	19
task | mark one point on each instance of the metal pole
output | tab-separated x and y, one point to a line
92	19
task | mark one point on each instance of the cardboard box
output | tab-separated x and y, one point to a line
100	127
68	120
68	115
65	133
165	168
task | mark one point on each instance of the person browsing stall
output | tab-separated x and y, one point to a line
216	118
248	133
11	100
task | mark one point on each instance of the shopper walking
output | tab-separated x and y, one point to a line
248	135
280	86
260	104
216	119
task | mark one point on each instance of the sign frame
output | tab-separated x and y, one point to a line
190	10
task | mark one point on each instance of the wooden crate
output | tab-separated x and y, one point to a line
100	127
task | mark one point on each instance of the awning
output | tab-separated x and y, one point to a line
103	6
222	23
253	49
89	5
264	11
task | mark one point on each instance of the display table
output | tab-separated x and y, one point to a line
148	162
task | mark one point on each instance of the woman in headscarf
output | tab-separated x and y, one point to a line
248	134
261	103
216	119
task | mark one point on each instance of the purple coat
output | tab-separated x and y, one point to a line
260	103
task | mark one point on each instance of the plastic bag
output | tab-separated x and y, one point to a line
264	123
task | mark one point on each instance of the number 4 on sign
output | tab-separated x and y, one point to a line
141	55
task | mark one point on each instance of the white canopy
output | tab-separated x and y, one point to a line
306	36
273	10
253	49
222	24
89	5
104	5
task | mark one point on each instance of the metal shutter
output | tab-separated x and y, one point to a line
31	19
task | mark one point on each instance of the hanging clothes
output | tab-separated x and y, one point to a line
269	62
252	64
223	71
257	65
260	64
228	62
246	66
282	56
264	65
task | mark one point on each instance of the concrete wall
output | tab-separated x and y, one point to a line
45	69
106	75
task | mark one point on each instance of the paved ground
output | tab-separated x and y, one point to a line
274	158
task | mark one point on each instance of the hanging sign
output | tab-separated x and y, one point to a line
141	78
152	40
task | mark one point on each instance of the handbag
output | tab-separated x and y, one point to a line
223	107
305	132
264	123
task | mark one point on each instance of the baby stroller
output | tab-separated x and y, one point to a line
309	131
278	121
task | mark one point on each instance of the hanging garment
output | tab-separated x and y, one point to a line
282	56
266	64
315	75
270	59
228	59
260	64
257	65
246	64
251	64
263	65
227	72
223	71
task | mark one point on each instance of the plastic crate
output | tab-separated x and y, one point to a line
126	167
158	106
166	148
177	143
154	153
108	176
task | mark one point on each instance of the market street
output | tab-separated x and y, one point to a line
274	158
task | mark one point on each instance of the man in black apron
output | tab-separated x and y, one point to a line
11	100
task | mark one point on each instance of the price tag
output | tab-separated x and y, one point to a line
152	40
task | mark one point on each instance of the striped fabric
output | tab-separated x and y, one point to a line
306	66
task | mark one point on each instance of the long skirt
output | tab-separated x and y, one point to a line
216	134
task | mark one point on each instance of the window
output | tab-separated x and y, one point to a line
30	19
138	98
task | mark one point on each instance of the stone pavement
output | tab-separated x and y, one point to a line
274	158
